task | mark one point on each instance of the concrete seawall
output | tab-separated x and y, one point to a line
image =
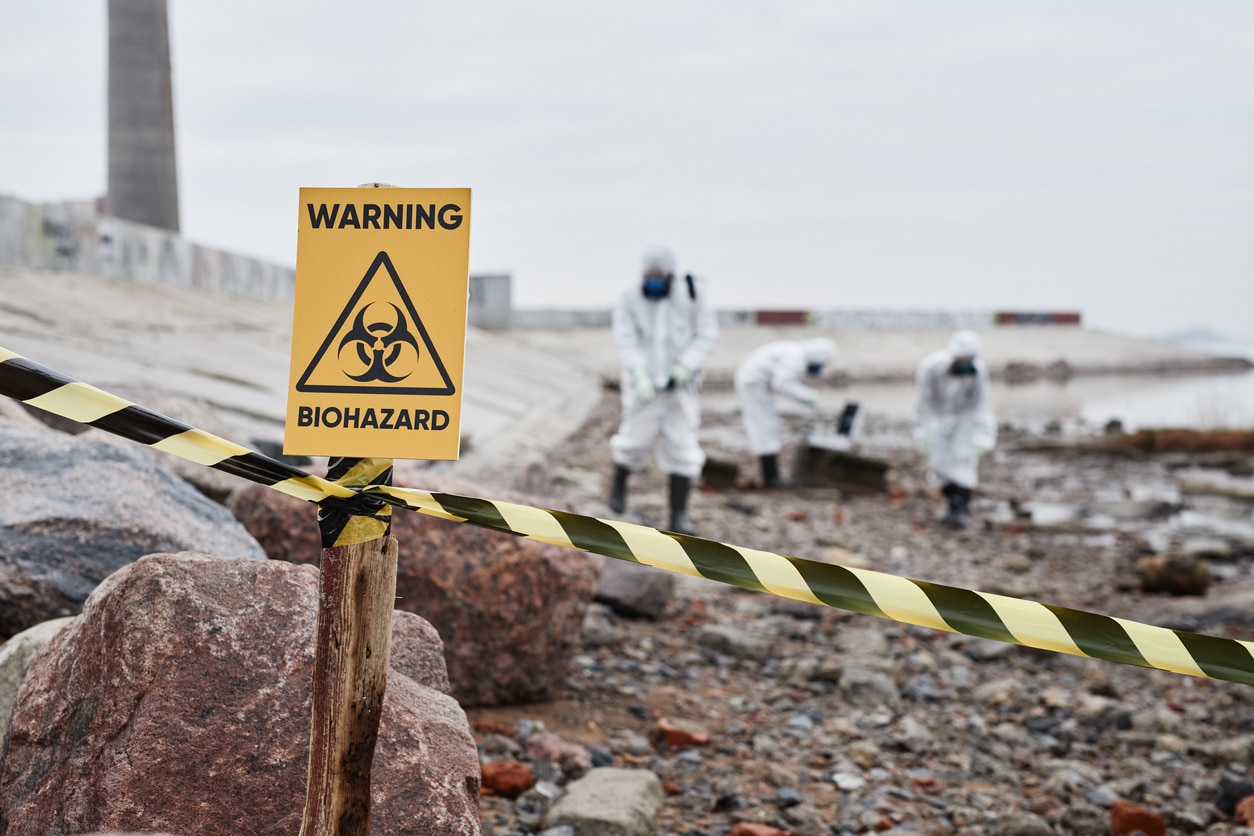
524	389
75	238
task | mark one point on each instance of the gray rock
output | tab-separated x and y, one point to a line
74	509
1020	823
609	802
868	689
625	741
633	589
1101	796
998	691
912	735
861	641
195	412
598	629
1085	820
15	658
733	641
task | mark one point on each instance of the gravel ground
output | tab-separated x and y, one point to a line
823	721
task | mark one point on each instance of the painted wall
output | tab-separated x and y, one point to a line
74	237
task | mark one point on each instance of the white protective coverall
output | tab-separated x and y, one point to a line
770	368
653	335
954	423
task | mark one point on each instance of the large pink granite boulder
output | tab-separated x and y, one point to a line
180	701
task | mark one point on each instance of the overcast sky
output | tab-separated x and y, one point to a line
1057	154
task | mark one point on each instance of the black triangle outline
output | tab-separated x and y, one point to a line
380	260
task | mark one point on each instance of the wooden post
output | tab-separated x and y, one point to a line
356	596
357	593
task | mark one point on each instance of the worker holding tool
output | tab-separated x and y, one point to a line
770	368
664	329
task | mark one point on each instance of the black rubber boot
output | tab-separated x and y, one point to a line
961	516
950	490
770	472
618	489
958	514
680	486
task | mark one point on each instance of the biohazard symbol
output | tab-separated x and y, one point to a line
385	345
380	346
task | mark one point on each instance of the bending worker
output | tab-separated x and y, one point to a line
664	328
954	424
770	368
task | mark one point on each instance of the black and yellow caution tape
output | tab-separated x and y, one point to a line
341	527
948	608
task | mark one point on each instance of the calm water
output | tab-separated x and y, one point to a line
1199	401
1139	401
1202	401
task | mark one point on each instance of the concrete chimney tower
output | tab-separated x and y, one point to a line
143	178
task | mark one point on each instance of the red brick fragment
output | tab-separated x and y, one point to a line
671	788
678	735
507	778
1245	811
1127	817
745	828
486	726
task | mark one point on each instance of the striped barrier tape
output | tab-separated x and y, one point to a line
341	527
953	609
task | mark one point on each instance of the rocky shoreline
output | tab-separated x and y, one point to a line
816	721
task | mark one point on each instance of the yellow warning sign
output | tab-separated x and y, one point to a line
379	323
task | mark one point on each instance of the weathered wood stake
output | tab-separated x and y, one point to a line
357	593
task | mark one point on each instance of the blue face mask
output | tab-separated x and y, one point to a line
962	369
815	369
656	287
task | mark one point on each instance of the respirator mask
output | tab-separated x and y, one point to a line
656	287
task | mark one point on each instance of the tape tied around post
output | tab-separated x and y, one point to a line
365	517
362	496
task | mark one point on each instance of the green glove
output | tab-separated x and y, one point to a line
681	375
811	399
644	386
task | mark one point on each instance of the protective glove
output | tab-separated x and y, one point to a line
681	375
980	449
644	386
811	399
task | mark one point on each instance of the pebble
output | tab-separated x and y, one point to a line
848	781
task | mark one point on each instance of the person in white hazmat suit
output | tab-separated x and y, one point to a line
768	369
664	329
954	423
